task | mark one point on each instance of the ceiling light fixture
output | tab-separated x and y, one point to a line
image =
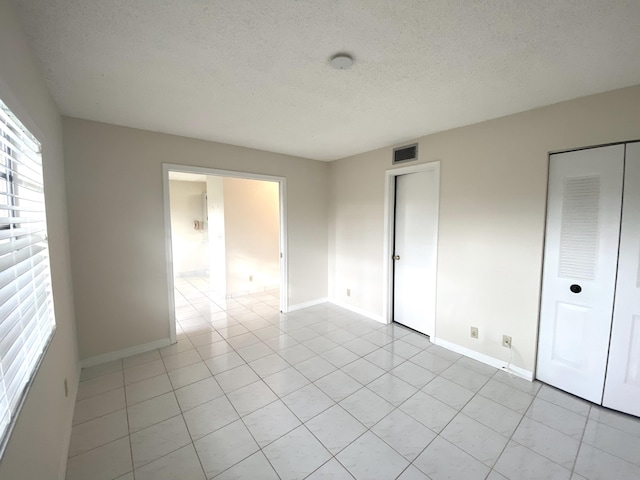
341	61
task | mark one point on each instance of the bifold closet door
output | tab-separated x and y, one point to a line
580	261
622	386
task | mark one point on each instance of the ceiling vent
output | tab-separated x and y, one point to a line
407	153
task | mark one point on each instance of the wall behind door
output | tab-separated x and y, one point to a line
244	232
252	230
190	246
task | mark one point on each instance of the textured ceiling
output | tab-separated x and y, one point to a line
256	72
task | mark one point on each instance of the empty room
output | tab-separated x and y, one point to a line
342	239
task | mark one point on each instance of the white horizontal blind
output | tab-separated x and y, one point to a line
26	303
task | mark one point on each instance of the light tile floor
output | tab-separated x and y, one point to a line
323	393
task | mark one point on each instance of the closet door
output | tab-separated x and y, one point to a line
622	387
580	258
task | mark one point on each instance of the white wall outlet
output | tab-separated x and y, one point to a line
474	332
506	341
251	278
348	292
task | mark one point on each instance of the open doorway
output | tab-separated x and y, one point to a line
225	238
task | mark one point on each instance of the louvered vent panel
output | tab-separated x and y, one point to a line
405	154
579	231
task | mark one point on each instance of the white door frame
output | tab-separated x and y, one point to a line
389	231
282	182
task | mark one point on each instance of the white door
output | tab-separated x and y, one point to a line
580	259
415	250
622	386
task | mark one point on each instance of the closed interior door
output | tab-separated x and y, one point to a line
622	385
415	250
581	253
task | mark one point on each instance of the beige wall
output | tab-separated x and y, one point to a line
114	178
252	223
190	246
492	209
37	448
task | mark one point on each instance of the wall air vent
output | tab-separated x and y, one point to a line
407	153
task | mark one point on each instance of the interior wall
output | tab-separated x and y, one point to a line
39	443
252	230
492	216
116	221
190	246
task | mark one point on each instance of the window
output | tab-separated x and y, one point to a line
26	303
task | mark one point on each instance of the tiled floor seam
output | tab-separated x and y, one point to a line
509	439
524	416
241	418
99	446
260	449
95	395
598	448
194	447
584	429
129	431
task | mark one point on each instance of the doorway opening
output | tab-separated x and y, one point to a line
411	246
225	237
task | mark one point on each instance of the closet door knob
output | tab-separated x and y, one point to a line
396	257
575	288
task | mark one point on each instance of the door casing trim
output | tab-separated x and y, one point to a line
282	181
389	232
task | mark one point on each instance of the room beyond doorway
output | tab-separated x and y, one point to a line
228	228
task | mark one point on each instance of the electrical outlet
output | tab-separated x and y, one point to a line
474	332
251	278
506	341
348	292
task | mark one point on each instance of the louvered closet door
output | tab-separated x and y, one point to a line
581	247
622	386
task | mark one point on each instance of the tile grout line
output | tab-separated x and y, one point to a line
128	427
584	429
510	438
260	449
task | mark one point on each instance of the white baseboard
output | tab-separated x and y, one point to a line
310	303
125	352
359	311
481	357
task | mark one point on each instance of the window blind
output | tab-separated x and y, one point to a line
26	303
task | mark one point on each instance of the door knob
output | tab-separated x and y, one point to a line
396	257
575	288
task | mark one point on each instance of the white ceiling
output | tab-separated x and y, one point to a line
256	72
